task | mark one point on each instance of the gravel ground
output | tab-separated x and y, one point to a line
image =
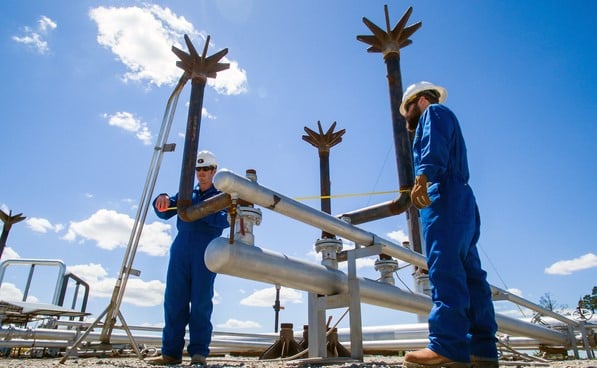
374	361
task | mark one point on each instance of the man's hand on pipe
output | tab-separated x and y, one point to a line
418	194
162	203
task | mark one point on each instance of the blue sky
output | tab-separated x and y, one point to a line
85	85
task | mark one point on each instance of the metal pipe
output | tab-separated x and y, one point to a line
199	68
264	265
379	211
229	182
500	294
207	207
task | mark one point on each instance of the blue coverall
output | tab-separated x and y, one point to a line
462	319
188	280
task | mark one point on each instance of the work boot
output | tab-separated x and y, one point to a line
164	360
198	360
482	362
427	358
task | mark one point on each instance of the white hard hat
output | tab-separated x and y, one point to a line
415	88
206	158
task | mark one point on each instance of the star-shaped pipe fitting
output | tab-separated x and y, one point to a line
199	66
324	141
392	40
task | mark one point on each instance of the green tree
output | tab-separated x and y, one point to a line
590	300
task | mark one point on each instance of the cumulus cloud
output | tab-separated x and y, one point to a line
9	253
35	38
138	292
141	37
399	236
515	291
567	267
110	230
237	325
266	297
42	225
207	114
128	122
10	292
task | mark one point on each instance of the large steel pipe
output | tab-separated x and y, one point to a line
229	182
264	265
207	207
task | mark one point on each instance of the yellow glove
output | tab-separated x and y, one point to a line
418	194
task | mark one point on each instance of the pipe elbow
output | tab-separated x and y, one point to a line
205	208
382	210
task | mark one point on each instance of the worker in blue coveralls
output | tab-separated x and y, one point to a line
462	324
189	284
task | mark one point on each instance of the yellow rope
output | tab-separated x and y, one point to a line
349	195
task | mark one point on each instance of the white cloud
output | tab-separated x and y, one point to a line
10	292
45	24
236	324
206	114
567	267
266	297
34	38
142	38
399	236
516	292
128	122
110	229
138	292
217	299
9	253
41	225
90	273
232	81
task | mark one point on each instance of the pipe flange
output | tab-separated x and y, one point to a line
386	267
251	213
329	248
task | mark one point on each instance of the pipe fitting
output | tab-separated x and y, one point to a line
386	267
247	217
329	248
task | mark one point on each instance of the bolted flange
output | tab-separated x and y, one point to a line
329	248
386	267
247	217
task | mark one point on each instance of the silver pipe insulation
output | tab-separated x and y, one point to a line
500	294
229	182
252	262
375	338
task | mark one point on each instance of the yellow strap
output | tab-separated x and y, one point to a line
349	195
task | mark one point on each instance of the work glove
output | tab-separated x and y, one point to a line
418	194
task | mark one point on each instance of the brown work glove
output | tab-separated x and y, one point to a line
418	194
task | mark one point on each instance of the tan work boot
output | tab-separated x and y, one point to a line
198	360
481	362
164	360
427	358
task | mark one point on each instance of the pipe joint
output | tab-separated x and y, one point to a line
329	248
387	267
246	218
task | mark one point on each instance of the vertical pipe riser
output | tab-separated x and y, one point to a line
404	161
187	174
